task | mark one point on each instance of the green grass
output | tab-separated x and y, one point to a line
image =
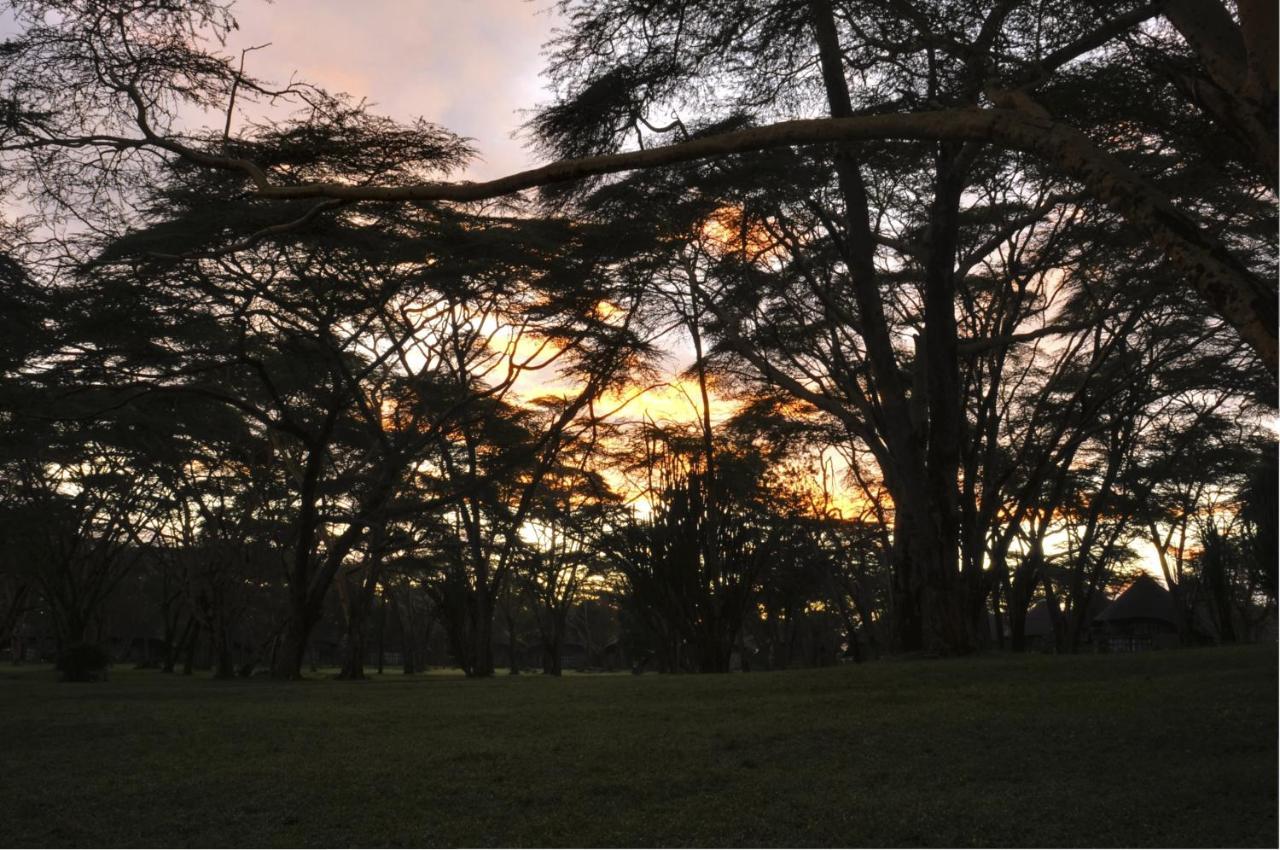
1175	748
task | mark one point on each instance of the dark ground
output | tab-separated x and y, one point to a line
1170	749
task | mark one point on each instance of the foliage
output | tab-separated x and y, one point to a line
250	393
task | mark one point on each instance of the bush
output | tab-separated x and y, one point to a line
83	662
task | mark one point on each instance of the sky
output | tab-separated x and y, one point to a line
470	66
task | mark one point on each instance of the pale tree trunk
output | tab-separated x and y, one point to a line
1240	94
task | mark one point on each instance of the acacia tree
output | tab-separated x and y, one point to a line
499	462
77	501
341	346
22	313
921	228
1100	96
1230	572
690	561
350	346
563	552
113	77
210	541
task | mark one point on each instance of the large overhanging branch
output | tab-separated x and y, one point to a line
1245	301
957	124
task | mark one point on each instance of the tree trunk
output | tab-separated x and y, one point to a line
409	632
513	652
223	665
355	646
997	620
470	634
908	619
189	653
1180	613
483	648
1055	614
382	637
553	644
176	645
292	646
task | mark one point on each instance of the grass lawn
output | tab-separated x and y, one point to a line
1174	749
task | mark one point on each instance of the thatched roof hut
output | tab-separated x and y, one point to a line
1142	617
1145	599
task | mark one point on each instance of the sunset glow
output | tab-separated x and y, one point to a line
650	423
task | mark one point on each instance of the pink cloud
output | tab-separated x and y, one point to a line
468	66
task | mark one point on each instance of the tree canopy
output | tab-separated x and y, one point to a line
977	298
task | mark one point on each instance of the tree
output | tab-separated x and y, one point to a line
919	424
343	347
566	526
614	76
72	517
981	275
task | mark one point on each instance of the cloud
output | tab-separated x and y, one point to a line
467	65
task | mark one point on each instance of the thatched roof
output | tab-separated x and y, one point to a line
1145	599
